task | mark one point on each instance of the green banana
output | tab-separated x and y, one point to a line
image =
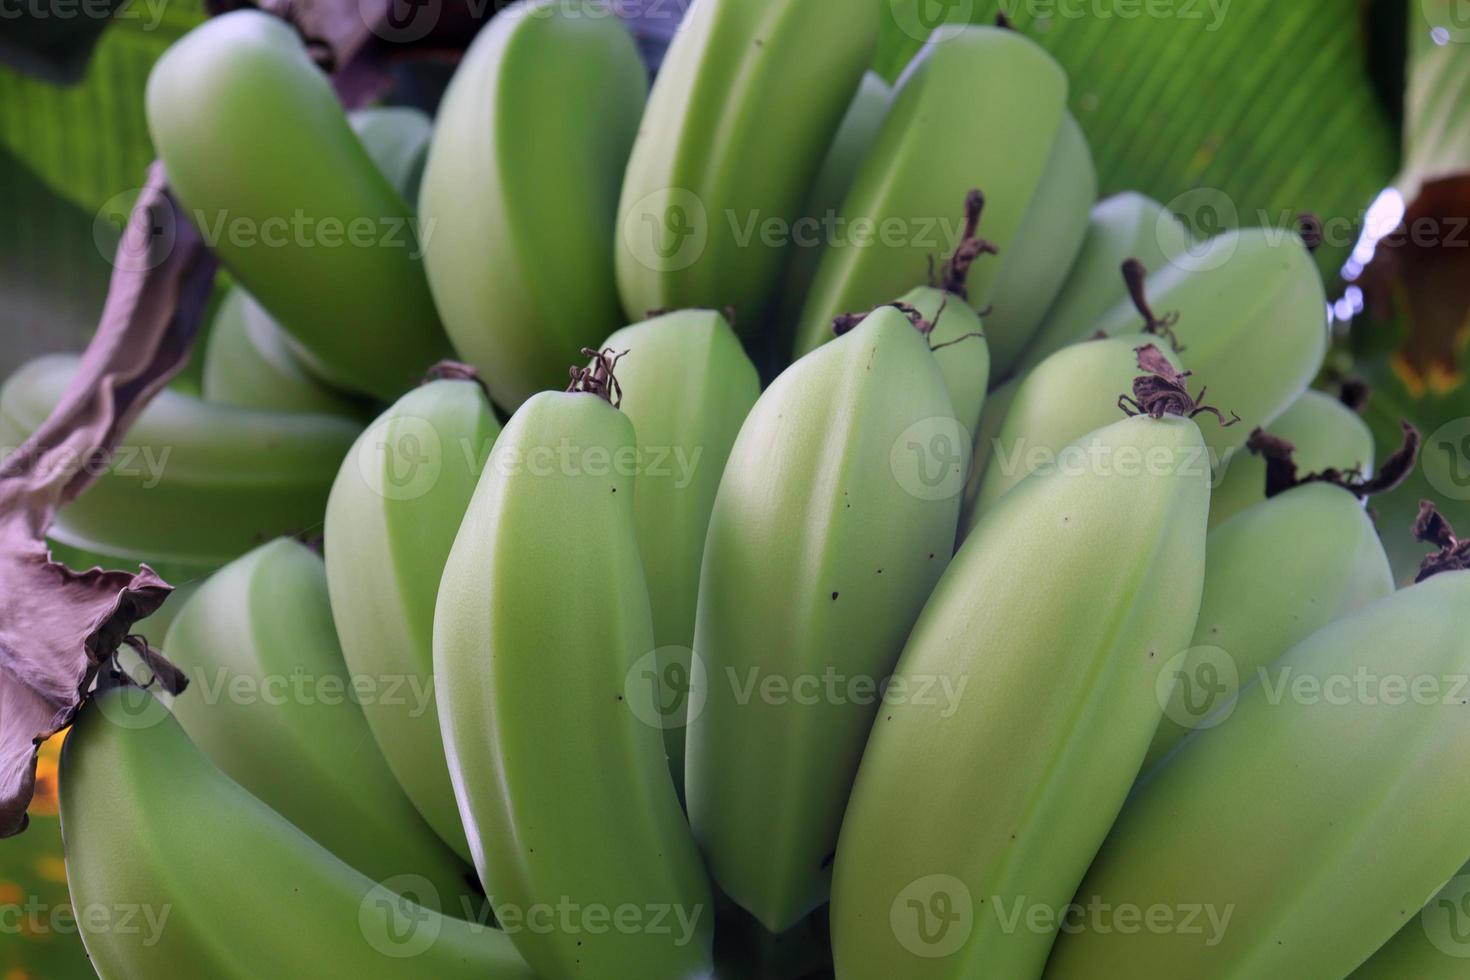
992	418
1273	576
1124	226
979	107
259	151
1251	323
248	363
271	703
989	802
214	883
689	386
958	339
193	483
1326	434
835	516
1048	241
855	137
549	710
397	140
1316	820
1071	393
1431	946
391	520
519	251
726	157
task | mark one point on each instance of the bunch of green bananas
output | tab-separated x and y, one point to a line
1027	622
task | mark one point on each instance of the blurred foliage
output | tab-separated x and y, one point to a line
53	39
70	157
1270	107
36	918
1411	343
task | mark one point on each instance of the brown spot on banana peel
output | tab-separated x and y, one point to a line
1164	390
1431	527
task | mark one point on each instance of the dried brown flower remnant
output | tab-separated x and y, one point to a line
1164	390
956	272
1282	475
600	377
1135	274
1432	528
59	627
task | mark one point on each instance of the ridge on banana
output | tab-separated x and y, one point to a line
822	546
548	697
1340	796
1089	575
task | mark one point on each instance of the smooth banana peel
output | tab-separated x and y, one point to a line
957	337
1274	575
688	387
272	704
834	518
1071	393
392	518
1433	945
855	137
259	151
1034	267
1326	435
1122	227
1250	317
992	418
214	883
725	154
194	483
544	652
249	363
397	140
1301	835
987	788
520	257
249	360
949	130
